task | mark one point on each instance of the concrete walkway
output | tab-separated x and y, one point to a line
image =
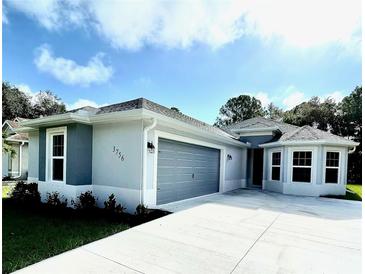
244	231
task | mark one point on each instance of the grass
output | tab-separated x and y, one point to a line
354	192
29	236
6	191
357	192
34	233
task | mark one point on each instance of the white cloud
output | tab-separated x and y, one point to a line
264	98
69	72
180	24
51	14
293	98
83	103
28	91
336	95
25	88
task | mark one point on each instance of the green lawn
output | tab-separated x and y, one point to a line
6	191
31	236
357	195
353	193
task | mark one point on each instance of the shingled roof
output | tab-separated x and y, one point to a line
259	123
288	132
308	133
152	106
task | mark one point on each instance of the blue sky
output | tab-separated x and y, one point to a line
192	56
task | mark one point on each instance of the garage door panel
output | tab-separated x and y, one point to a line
186	171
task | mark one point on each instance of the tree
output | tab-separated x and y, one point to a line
15	103
351	126
313	113
7	149
47	103
238	109
274	112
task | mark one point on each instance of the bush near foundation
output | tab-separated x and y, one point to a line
26	194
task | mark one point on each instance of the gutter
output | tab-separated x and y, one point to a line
261	129
20	162
144	159
303	143
352	150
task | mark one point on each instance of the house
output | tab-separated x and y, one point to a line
148	154
15	166
294	160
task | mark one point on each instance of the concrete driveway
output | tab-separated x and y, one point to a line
244	231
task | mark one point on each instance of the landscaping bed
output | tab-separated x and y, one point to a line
35	231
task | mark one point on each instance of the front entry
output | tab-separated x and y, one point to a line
257	166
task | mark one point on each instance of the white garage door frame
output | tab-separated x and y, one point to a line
179	138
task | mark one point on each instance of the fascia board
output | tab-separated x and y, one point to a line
181	125
299	143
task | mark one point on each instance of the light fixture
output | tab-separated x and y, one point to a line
150	147
229	157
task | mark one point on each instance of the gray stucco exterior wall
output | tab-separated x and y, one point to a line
256	140
79	154
42	155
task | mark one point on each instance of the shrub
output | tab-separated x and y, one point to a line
141	210
112	207
26	193
54	200
85	201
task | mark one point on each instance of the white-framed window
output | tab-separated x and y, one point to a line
302	166
56	154
275	165
332	167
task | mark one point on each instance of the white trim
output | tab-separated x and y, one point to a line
310	143
32	179
291	154
9	139
7	122
339	172
257	133
171	122
170	136
129	115
144	158
49	134
271	165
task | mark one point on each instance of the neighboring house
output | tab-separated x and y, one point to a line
148	154
15	167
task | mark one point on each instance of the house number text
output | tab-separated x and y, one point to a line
118	153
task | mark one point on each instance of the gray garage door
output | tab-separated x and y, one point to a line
185	171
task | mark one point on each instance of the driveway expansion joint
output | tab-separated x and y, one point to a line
113	261
254	243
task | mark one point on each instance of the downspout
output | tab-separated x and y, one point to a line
144	159
20	162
